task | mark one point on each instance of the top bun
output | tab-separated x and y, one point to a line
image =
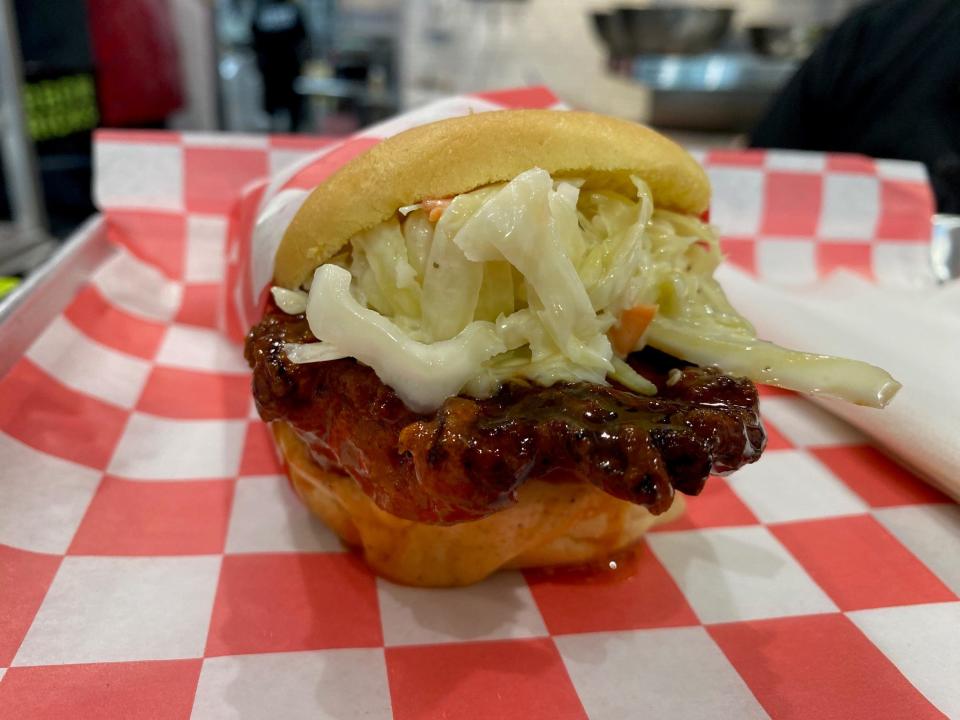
454	156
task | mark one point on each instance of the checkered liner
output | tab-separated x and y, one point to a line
155	563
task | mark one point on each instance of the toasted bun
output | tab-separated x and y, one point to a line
551	524
461	154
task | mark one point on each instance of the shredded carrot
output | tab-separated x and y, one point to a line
625	335
435	208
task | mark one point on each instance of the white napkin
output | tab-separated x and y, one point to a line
913	334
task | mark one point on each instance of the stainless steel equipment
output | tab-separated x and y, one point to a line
786	41
719	91
25	243
612	34
673	30
700	76
47	291
945	247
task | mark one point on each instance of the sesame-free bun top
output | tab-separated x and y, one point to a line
454	156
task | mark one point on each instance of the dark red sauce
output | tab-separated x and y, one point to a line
467	460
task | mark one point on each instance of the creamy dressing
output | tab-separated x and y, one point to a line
522	281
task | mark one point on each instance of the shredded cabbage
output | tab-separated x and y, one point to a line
523	280
292	302
765	362
424	375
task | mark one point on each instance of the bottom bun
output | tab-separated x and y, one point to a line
551	524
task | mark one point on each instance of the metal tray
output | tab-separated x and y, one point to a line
47	291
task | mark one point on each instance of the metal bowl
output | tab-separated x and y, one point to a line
612	34
672	30
782	41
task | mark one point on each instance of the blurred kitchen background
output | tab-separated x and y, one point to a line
703	71
709	66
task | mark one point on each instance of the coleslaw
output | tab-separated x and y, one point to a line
528	280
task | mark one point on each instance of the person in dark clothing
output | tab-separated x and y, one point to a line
280	43
885	83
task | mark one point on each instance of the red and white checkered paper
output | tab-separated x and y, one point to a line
154	562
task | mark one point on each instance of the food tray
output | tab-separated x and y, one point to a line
154	562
